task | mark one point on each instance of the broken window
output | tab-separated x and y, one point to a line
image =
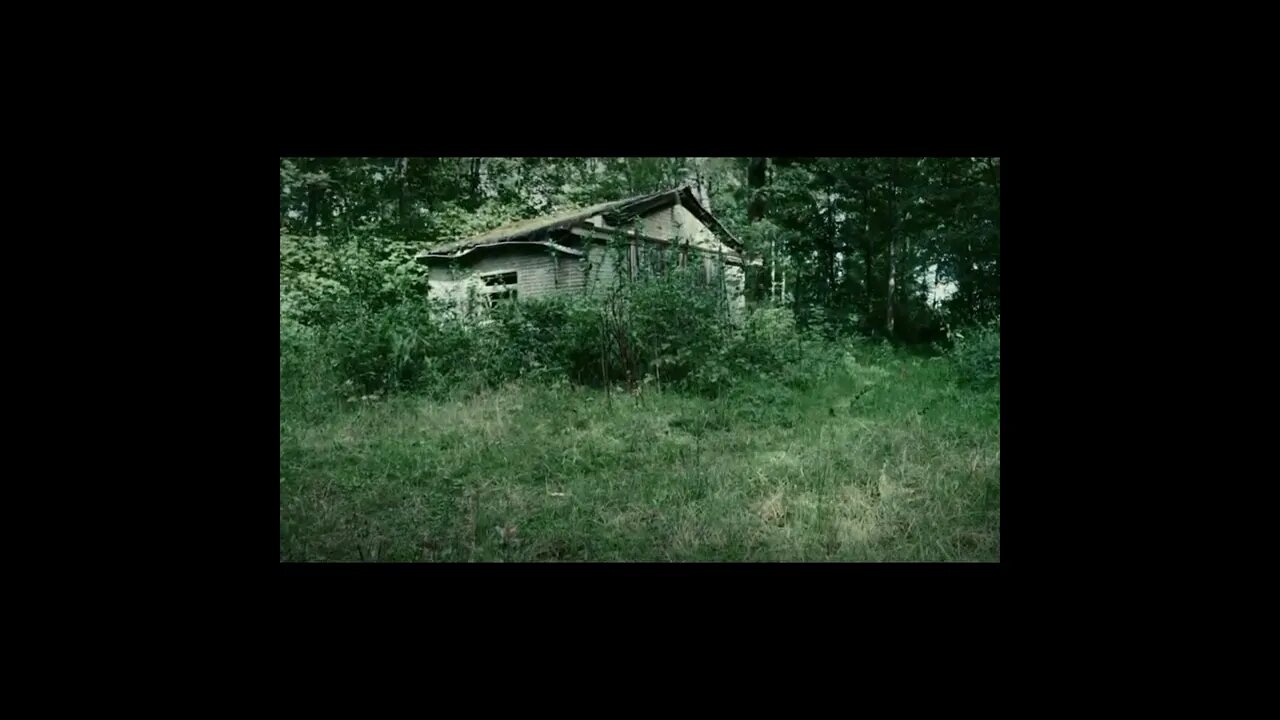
658	255
501	279
503	296
650	259
500	287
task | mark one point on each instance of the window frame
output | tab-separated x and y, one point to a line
497	287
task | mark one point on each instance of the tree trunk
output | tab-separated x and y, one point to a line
315	194
795	295
756	180
773	271
756	177
888	300
832	232
867	277
402	193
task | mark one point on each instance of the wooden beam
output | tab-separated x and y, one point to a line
604	234
428	255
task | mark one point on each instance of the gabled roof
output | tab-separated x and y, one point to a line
616	212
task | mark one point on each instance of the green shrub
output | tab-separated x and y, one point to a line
768	339
976	354
307	382
356	323
536	339
677	331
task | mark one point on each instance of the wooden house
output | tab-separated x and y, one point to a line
588	249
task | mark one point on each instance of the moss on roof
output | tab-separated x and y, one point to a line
520	228
566	218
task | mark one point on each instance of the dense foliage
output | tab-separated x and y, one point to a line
810	428
977	353
905	250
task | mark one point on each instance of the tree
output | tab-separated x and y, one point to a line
844	238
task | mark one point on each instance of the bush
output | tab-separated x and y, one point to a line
356	323
646	333
675	329
550	337
976	354
306	379
768	339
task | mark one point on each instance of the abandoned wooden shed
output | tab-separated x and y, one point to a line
588	250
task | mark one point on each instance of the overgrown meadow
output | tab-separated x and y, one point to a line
845	416
648	426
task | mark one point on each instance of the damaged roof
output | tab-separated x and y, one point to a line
616	212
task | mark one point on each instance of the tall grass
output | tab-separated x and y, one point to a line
878	462
409	433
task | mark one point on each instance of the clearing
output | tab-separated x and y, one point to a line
885	460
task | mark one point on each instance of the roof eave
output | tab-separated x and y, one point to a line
685	197
617	211
690	201
426	254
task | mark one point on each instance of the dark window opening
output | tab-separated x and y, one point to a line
500	287
500	279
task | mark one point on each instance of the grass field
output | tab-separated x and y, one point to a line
884	460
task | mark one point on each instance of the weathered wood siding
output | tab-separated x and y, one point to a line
677	223
607	267
610	266
539	272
